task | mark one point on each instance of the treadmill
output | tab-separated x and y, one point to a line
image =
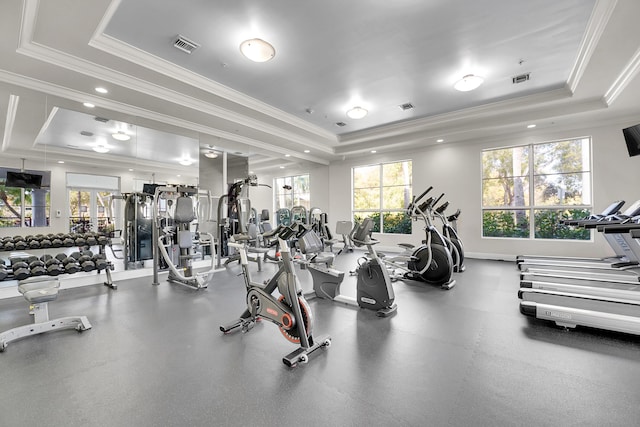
574	309
626	269
625	256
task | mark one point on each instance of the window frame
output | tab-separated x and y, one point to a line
530	206
291	196
381	210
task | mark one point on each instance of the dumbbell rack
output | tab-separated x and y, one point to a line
24	265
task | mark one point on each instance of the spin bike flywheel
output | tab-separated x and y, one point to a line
293	335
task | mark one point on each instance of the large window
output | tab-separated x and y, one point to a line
527	190
91	202
26	205
293	191
382	192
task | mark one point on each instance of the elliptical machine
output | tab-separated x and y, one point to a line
431	262
450	233
290	311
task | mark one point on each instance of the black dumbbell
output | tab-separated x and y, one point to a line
103	240
45	257
21	245
37	268
56	243
52	261
21	270
45	243
3	273
100	260
54	268
86	263
68	242
80	241
18	239
61	256
76	255
92	241
34	244
71	265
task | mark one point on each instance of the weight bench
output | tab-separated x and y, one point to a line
39	291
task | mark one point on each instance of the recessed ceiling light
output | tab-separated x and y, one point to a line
61	161
468	82
287	155
531	126
373	151
130	170
101	148
307	151
185	162
440	140
211	154
257	50
356	113
281	167
88	104
100	89
178	175
120	136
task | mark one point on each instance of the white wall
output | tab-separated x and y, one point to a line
456	170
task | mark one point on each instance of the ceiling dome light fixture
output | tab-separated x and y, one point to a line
211	154
100	89
468	82
186	162
120	136
257	50
357	113
101	148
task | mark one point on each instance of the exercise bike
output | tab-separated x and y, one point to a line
373	288
431	262
290	312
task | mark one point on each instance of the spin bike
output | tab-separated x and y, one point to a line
431	262
290	312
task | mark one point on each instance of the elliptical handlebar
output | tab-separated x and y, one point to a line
443	207
415	200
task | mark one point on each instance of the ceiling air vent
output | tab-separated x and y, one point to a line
86	133
520	78
184	44
341	124
101	119
406	106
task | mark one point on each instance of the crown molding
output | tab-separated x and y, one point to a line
28	47
470	129
625	77
602	11
45	126
12	108
77	96
144	59
486	111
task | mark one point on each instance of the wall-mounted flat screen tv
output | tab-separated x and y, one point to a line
150	188
632	138
23	180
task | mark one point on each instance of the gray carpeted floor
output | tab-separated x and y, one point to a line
464	357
